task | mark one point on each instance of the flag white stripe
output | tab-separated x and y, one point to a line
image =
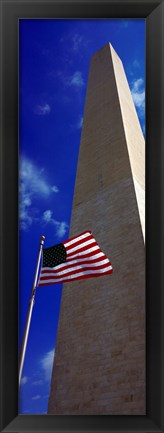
90	241
79	258
79	238
89	250
72	276
65	271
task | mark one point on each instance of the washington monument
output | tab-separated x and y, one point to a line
99	364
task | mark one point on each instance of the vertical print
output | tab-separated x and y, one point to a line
81	169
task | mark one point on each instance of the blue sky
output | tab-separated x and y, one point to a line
54	57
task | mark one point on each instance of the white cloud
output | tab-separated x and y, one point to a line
124	24
77	41
42	110
137	84
47	216
80	123
60	226
31	180
136	64
47	363
138	95
55	188
25	219
36	397
27	201
76	80
24	380
32	185
139	99
37	382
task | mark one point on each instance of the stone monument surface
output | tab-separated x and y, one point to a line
99	365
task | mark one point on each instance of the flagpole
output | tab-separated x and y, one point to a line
29	314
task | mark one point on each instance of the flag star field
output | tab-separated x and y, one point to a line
54	59
53	256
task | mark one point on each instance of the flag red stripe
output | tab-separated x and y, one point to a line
54	274
81	241
76	273
70	264
80	277
71	239
92	253
81	249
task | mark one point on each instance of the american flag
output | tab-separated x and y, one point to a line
77	258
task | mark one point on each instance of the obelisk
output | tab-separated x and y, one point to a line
99	365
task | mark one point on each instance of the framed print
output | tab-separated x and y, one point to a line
50	86
145	411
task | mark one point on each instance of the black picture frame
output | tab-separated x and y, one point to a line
153	12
